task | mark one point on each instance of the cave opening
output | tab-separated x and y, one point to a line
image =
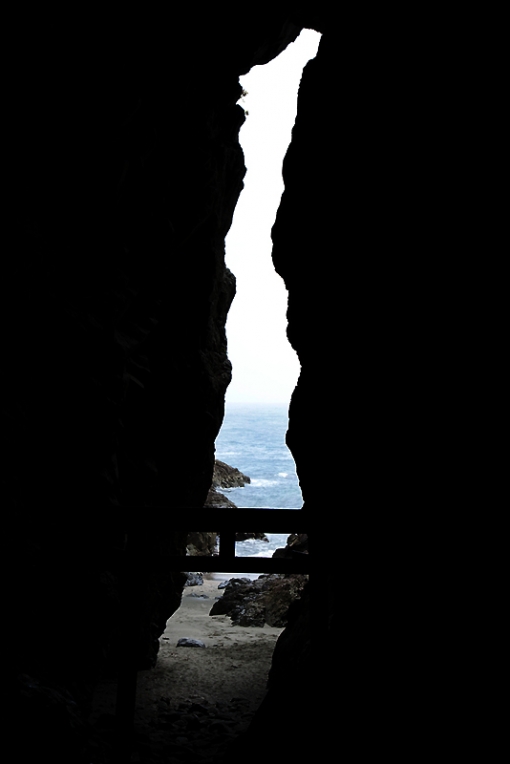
265	367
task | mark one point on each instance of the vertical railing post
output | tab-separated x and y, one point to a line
227	544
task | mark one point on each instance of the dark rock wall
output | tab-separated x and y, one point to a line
379	238
124	169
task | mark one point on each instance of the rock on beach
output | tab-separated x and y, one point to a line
190	642
267	599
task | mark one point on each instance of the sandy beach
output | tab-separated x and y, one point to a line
234	663
223	681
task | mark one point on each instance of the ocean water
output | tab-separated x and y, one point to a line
252	439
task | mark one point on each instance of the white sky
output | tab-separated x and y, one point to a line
265	367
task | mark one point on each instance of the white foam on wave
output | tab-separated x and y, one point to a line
283	474
262	483
259	548
225	454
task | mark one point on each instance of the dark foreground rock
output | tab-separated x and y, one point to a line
267	599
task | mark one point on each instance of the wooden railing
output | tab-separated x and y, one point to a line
228	522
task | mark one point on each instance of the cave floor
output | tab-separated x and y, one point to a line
196	701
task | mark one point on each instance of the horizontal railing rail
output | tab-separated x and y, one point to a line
241	518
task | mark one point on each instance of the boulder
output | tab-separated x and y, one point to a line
264	600
194	579
199	543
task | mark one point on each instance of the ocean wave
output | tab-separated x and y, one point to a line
258	548
253	440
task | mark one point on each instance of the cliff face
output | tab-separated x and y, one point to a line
123	172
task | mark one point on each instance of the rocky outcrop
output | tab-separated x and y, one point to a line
225	476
